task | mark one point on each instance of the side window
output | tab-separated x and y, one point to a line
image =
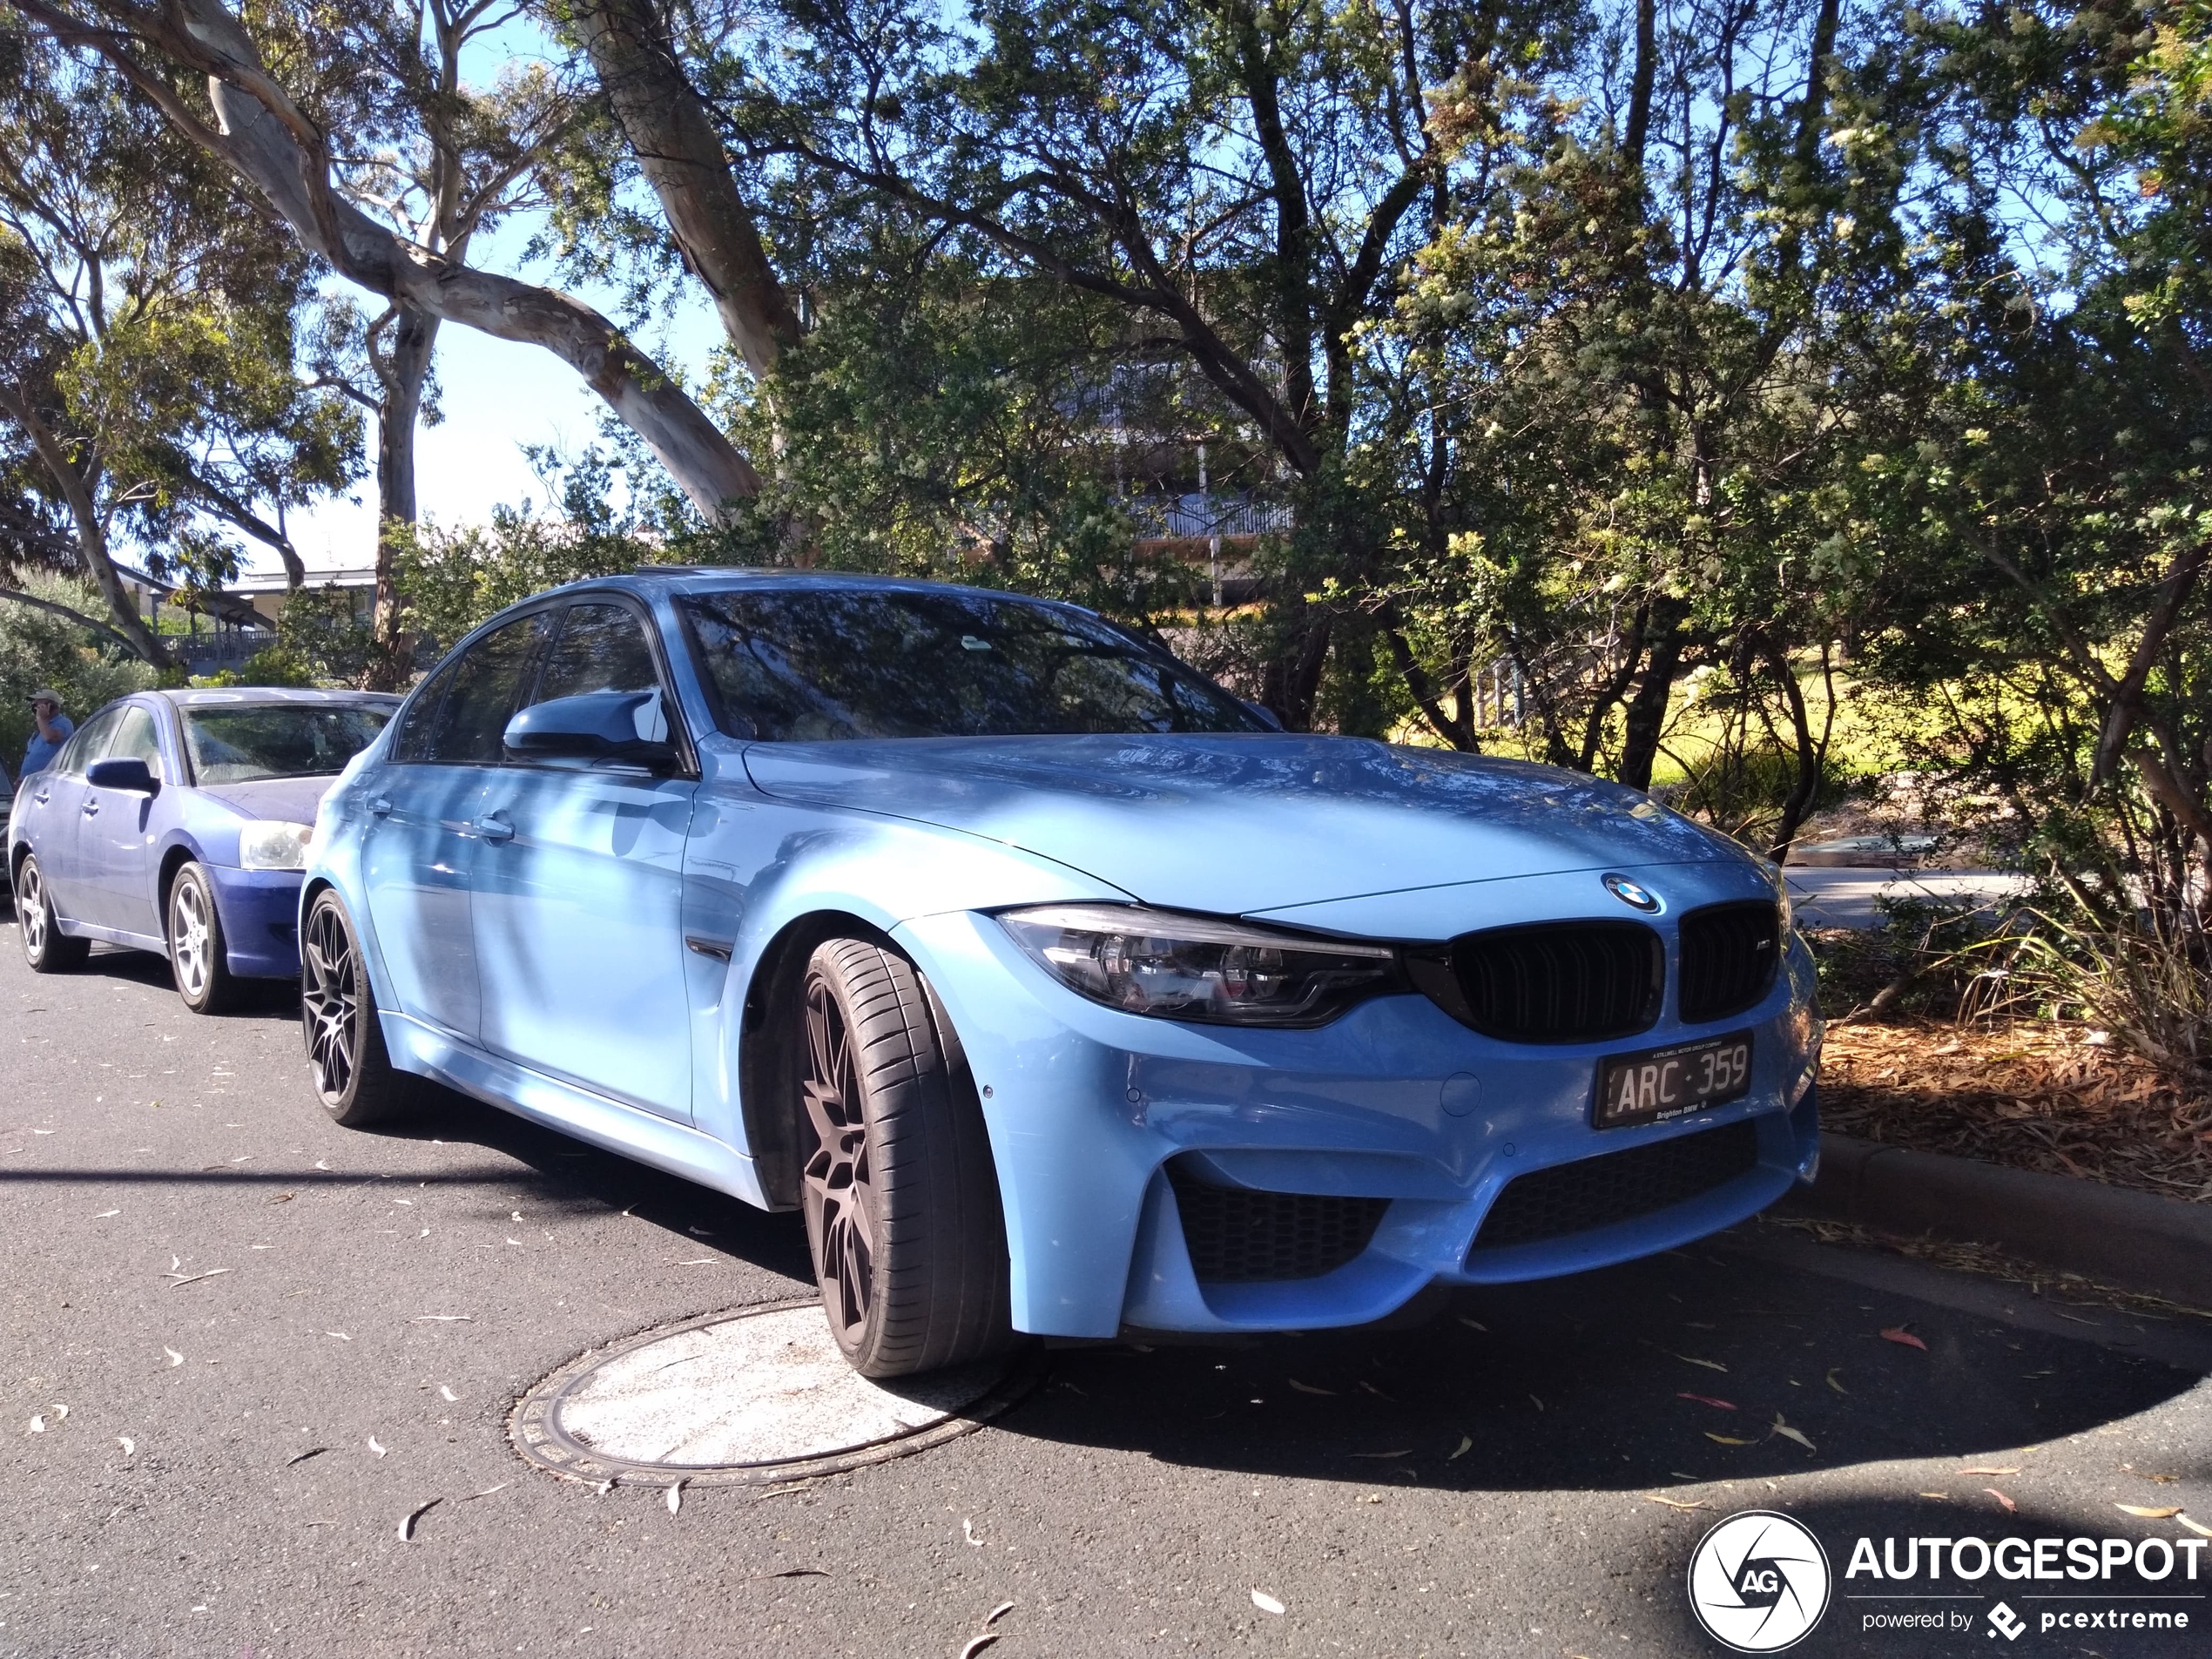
136	739
602	648
487	683
412	741
90	744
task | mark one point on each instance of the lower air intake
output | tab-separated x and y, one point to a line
1595	1192
1236	1236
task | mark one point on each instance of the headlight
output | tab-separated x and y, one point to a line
1197	967
274	846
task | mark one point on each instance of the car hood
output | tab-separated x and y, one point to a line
1236	825
291	800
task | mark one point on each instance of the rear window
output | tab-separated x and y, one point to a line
813	666
241	746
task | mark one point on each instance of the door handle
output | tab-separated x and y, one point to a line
42	797
380	807
494	826
90	809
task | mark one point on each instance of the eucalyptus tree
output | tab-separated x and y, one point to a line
146	319
290	105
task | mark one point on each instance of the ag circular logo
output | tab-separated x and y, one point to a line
1758	1581
1633	893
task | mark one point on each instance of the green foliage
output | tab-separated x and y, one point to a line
38	648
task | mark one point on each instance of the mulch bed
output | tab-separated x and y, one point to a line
2036	1096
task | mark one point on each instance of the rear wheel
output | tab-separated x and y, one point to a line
198	953
44	946
900	1195
353	1074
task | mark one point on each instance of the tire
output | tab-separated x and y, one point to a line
900	1195
44	946
354	1077
199	954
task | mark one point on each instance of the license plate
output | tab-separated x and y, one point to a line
1660	1083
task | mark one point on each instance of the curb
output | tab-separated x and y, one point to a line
2137	1240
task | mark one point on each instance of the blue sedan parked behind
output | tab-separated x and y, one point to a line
176	822
1061	990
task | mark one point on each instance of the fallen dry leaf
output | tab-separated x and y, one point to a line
451	1396
1407	1451
407	1521
2010	1506
375	1447
60	1411
1728	1439
1267	1603
129	1446
675	1496
1898	1335
2198	1528
968	1531
993	1616
1308	1388
313	1450
1671	1503
1981	1468
1789	1433
1946	1496
1707	1399
175	1359
1538	1403
1833	1384
1465	1446
2141	1514
976	1644
104	1214
341	1335
1474	1325
441	1318
1692	1360
487	1492
37	1425
194	1278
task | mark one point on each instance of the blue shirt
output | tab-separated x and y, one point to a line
41	753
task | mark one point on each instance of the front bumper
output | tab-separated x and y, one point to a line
1086	1105
260	915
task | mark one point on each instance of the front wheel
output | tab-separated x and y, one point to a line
900	1191
45	946
198	954
354	1077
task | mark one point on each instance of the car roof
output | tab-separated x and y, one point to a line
265	696
723	578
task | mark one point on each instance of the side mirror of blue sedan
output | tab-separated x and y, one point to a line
134	777
597	725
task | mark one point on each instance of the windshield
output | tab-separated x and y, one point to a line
809	666
239	746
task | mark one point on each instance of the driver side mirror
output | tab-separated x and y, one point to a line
131	777
607	726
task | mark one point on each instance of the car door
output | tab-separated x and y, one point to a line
59	812
115	845
578	890
423	805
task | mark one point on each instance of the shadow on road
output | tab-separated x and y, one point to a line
1684	1368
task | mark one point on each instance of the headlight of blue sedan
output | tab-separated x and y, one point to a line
1197	967
274	846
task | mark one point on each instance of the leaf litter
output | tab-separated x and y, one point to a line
407	1521
1267	1603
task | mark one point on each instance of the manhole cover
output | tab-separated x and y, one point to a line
745	1397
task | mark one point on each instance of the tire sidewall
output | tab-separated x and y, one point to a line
824	967
341	1105
212	990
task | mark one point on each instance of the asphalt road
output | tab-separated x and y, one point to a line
214	1280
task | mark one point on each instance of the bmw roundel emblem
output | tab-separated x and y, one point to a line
1635	894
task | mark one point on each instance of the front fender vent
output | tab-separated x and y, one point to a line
1237	1236
1553	982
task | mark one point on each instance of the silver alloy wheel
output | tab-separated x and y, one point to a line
189	943
30	909
328	993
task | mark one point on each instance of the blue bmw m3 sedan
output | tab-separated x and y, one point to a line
176	822
1062	991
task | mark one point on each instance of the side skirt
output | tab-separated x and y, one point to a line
572	1110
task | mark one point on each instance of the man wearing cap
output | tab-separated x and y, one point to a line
53	729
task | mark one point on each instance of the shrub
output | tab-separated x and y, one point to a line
40	648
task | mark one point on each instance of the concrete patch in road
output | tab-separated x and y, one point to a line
745	1397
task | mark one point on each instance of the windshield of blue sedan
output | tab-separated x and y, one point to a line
244	744
806	665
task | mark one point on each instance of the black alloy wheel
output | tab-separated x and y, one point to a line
45	946
354	1075
898	1186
